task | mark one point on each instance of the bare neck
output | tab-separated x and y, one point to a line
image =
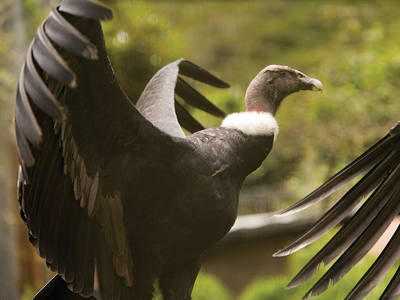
261	97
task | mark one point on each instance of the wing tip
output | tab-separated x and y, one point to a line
190	69
288	250
87	8
287	211
395	130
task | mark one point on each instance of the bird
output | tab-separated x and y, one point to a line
380	184
116	196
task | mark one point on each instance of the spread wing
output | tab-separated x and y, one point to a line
153	105
364	228
76	133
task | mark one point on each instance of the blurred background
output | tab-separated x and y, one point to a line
352	47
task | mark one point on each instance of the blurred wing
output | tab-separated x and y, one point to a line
363	163
76	133
364	228
157	100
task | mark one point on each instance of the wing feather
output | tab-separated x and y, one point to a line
68	246
186	119
191	70
89	268
392	291
50	60
36	88
344	206
364	228
24	152
57	224
194	98
364	162
25	117
87	9
378	270
68	37
104	268
157	103
365	241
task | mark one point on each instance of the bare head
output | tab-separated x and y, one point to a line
267	90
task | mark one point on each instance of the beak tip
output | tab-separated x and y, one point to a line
317	85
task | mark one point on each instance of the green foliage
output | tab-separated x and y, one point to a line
139	42
274	287
29	291
207	287
269	289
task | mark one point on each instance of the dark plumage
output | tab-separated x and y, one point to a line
116	196
381	163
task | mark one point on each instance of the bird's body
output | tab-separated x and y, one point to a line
115	195
205	205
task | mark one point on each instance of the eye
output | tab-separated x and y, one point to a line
299	75
283	74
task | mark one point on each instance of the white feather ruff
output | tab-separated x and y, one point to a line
252	123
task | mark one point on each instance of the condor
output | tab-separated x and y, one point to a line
114	195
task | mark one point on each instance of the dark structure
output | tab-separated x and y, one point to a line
115	195
363	229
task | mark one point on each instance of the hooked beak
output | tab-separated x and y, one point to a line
311	84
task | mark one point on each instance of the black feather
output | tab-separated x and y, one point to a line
364	228
48	58
364	162
381	266
186	120
61	32
344	206
191	70
86	9
194	98
24	117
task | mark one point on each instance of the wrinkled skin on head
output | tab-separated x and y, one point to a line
267	90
